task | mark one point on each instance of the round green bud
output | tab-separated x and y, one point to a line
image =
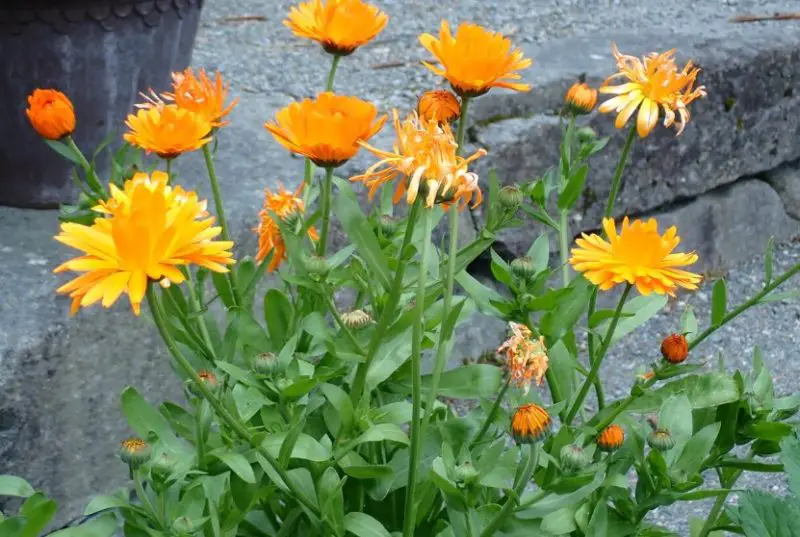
573	458
586	135
388	224
661	440
134	452
523	267
317	267
511	197
466	473
266	363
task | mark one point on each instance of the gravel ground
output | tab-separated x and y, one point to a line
263	60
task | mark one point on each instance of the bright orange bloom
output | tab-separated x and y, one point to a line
440	105
424	156
675	348
167	130
327	129
580	98
530	424
638	255
340	26
475	59
149	231
611	438
201	95
284	205
652	84
526	358
51	114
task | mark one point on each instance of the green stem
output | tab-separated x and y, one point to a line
223	223
327	188
387	315
145	498
598	386
332	72
91	176
416	384
462	124
168	165
468	520
200	438
512	496
563	226
598	360
719	503
615	182
752	301
328	296
487	422
194	304
237	426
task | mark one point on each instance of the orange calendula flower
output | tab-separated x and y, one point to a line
474	60
530	424
168	130
327	129
675	348
340	26
580	98
150	229
638	255
424	157
439	105
651	85
201	95
51	114
611	438
284	205
526	358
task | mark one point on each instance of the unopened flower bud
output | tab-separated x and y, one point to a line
317	267
611	438
356	319
134	451
675	348
388	224
661	440
531	423
586	135
580	98
466	473
266	363
207	378
440	105
183	526
511	197
523	267
162	466
573	458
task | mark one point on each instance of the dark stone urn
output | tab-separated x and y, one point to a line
101	54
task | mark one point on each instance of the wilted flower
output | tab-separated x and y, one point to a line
201	95
526	358
284	205
356	319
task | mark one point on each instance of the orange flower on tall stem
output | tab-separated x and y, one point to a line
651	85
201	95
168	131
340	26
474	60
424	158
638	255
526	358
327	129
150	230
51	114
284	205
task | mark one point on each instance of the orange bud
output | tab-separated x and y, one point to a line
51	113
530	424
580	98
675	348
440	105
611	438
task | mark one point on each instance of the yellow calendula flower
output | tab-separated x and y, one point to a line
638	255
474	60
424	158
327	129
150	229
526	358
652	84
340	26
168	130
283	204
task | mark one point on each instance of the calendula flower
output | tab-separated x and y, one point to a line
51	114
474	60
638	255
526	358
439	105
651	85
167	130
135	452
611	438
675	348
149	230
424	157
340	26
530	424
201	95
284	205
580	98
327	129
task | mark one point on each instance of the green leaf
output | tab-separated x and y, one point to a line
769	257
696	450
467	382
341	402
238	463
703	391
363	525
397	413
562	364
482	295
289	442
15	486
358	229
65	151
101	503
248	401
223	287
38	511
102	526
763	515
778	297
719	302
557	322
762	384
598	525
540	216
675	416
790	456
560	522
573	188
144	419
278	314
553	502
306	447
379	433
640	310
769	430
539	252
331	499
688	322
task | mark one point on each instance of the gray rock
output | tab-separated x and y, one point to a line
786	181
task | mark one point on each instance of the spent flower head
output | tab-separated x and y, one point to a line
526	358
283	205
